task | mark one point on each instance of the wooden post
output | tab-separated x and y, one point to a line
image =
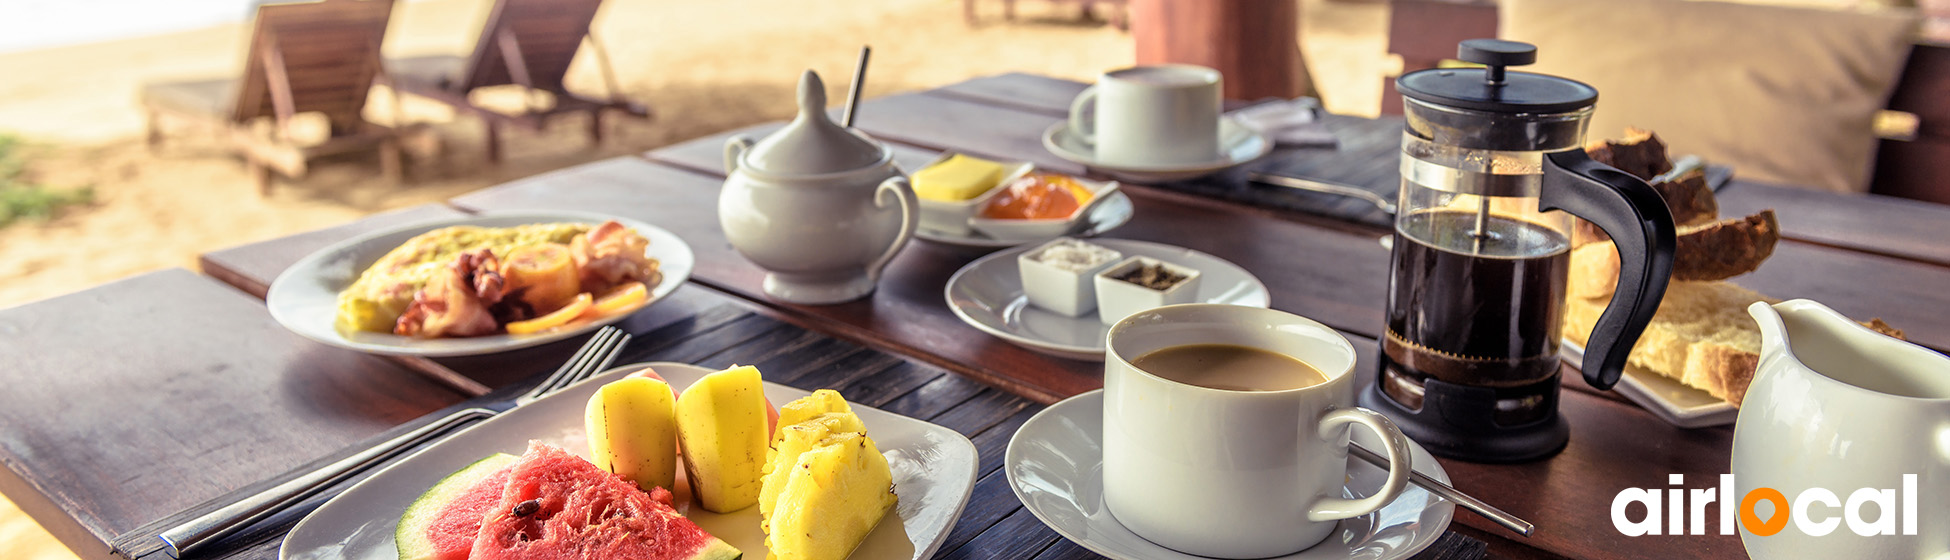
1254	43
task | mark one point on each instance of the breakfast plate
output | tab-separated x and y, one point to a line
987	294
1114	211
305	297
1238	144
1666	397
1055	466
934	472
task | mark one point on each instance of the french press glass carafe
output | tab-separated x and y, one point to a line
1492	172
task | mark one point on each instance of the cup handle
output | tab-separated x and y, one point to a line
910	215
1083	116
1330	509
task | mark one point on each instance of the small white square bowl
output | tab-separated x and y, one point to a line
1117	299
952	217
1042	229
1063	291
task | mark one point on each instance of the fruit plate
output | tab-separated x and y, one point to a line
934	471
305	297
1666	397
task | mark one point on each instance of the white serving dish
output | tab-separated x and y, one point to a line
1066	292
1117	299
1667	398
1100	191
934	471
951	218
305	297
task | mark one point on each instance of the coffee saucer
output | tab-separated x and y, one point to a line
1238	144
987	294
1055	466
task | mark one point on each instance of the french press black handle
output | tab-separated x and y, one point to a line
1636	218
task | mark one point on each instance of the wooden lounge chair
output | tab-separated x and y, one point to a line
528	43
303	57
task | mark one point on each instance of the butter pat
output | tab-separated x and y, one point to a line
957	179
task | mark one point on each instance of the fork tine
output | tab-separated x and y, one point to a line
574	364
597	360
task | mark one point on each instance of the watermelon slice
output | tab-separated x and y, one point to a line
558	506
443	522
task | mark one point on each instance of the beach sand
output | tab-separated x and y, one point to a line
704	67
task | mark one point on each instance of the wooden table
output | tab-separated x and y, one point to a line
171	391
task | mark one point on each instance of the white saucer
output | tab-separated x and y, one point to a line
1114	211
987	294
1237	144
1665	397
1055	465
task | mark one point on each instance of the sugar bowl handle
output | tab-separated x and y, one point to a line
910	215
734	149
1636	218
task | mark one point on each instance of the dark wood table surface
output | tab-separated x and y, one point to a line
170	393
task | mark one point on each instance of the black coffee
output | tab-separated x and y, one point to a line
1475	310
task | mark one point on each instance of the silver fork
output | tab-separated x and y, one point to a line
595	356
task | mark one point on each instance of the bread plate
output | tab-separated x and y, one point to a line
1666	397
934	472
305	297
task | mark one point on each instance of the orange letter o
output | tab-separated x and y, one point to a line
1752	521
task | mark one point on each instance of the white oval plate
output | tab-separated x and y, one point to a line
1055	465
305	297
987	294
1665	397
934	472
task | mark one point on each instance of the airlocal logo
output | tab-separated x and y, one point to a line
1815	511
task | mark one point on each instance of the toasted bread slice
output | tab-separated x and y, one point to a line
1641	153
1688	197
1701	335
1716	251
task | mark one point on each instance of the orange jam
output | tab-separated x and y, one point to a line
1038	196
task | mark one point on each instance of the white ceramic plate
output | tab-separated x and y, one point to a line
1237	144
1055	465
987	294
934	471
1114	211
305	297
1666	397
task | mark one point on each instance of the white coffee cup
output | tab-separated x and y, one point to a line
1235	474
1151	115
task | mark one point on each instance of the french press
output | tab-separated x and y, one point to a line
1469	362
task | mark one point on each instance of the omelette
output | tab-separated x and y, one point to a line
375	301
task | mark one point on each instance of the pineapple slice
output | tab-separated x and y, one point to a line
815	404
833	496
792	441
632	425
721	423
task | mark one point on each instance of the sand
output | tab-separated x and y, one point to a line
703	66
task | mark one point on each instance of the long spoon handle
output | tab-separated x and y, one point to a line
1450	493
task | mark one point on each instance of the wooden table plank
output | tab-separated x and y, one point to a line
1028	92
1868	223
975	128
120	395
1369	153
251	267
706	155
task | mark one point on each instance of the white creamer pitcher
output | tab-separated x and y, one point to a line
1837	420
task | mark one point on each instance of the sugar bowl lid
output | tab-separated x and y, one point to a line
812	143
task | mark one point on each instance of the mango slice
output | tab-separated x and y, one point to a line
721	423
632	426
